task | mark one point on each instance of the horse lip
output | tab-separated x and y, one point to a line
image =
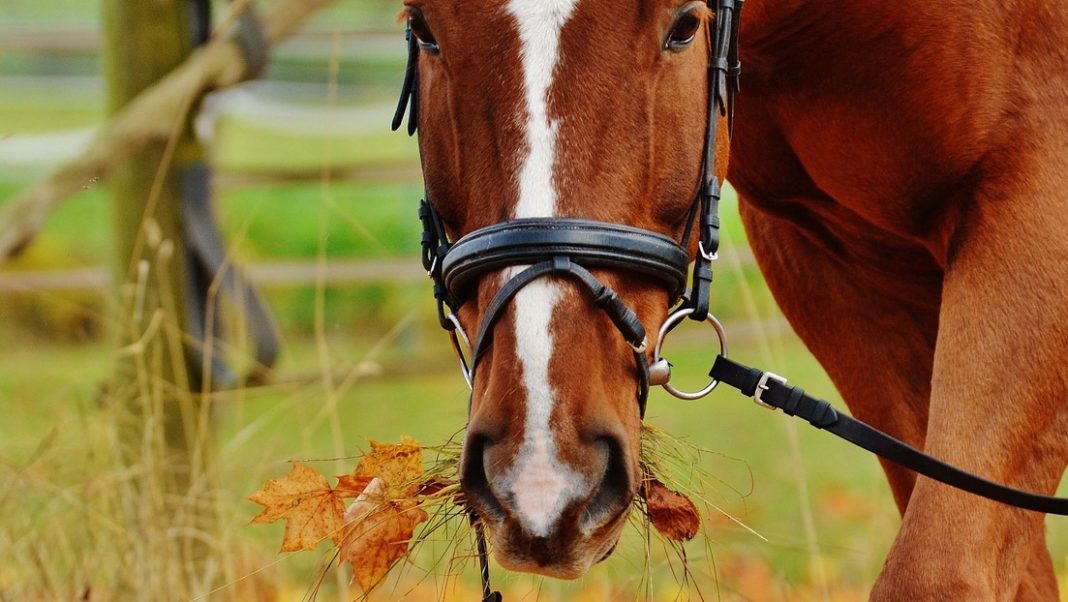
609	552
516	550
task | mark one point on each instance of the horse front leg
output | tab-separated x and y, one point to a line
999	402
875	339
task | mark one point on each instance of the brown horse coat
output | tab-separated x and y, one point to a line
902	169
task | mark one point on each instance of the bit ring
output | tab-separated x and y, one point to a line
670	324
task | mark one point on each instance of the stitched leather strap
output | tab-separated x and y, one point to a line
603	297
819	413
588	243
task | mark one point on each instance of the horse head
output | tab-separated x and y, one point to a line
559	109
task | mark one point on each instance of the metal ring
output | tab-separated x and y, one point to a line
670	323
456	334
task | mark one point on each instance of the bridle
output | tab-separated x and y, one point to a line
571	247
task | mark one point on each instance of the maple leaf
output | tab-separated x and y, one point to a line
311	509
672	513
375	532
378	533
399	466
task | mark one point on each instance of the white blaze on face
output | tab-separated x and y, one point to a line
539	485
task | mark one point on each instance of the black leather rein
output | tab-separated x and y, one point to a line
772	391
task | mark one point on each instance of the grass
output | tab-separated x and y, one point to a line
259	431
29	108
249	147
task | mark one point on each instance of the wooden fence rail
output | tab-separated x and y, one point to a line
331	273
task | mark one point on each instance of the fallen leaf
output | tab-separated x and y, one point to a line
672	513
378	532
399	465
311	509
375	532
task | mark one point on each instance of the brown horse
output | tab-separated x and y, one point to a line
900	166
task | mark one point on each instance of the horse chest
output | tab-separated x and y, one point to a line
868	108
851	174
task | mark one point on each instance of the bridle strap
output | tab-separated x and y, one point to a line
488	595
773	391
603	297
590	243
435	247
734	64
724	71
409	96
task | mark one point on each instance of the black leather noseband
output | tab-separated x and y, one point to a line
591	244
569	248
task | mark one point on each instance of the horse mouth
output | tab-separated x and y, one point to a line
586	533
570	558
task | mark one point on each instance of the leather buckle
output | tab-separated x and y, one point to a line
762	386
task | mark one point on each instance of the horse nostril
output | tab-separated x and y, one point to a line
613	494
473	479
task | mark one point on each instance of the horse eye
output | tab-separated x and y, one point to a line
423	34
683	32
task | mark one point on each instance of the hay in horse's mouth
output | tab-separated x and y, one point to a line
663	457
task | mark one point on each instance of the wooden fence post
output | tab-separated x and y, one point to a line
164	424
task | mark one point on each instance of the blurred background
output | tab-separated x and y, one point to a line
125	461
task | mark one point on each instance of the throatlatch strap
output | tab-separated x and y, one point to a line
819	413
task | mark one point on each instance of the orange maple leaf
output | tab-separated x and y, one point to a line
376	530
672	513
312	510
378	533
399	465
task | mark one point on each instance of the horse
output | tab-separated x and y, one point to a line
899	170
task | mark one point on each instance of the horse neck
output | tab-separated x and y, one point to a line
800	37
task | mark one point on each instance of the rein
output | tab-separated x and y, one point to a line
567	247
772	392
